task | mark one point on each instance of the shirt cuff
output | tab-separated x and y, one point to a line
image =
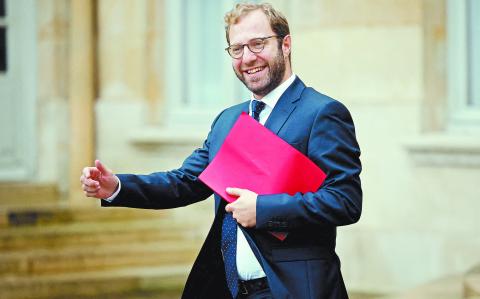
112	197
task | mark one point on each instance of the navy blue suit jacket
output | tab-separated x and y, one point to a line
304	265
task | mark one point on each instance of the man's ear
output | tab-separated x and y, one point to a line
287	45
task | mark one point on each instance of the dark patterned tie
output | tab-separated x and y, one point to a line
257	107
229	230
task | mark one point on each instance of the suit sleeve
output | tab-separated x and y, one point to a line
333	147
165	190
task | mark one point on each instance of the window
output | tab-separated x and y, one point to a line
3	38
199	78
473	36
2	8
463	70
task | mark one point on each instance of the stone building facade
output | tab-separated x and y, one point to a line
136	84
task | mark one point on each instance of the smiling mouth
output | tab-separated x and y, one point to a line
254	70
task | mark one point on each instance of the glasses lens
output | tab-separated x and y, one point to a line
235	51
256	45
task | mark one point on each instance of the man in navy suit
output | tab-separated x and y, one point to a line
240	258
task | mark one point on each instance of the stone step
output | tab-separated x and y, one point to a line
83	234
471	283
44	261
160	282
353	294
22	194
42	215
445	288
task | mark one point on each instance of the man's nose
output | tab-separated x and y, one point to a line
248	55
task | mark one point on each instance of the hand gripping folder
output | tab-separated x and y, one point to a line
254	158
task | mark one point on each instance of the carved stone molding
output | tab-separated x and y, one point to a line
443	150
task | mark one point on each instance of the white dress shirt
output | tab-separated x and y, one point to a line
248	266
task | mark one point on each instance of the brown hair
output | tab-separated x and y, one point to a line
277	20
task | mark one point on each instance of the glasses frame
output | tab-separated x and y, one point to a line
250	42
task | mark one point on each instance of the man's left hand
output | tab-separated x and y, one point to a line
244	209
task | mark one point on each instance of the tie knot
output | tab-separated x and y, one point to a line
257	107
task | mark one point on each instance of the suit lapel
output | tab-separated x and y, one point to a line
280	113
246	107
285	106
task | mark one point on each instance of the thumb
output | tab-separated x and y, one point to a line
102	168
229	208
234	191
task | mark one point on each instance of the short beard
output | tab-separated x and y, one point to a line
276	72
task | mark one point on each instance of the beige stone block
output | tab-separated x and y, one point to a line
392	261
386	179
52	20
53	142
53	27
324	13
98	257
449	287
362	64
57	237
53	70
472	283
159	282
24	194
448	194
419	222
3	218
122	48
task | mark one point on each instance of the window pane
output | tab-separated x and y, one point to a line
3	49
2	8
474	52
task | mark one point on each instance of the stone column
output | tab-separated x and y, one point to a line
155	64
121	50
130	49
434	104
81	95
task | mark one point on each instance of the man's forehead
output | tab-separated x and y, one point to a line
252	25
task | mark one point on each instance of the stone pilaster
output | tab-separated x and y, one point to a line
434	58
81	94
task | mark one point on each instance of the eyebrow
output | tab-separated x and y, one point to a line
239	44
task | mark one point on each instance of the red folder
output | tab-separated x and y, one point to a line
254	158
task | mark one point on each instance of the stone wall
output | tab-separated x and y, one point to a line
385	59
375	56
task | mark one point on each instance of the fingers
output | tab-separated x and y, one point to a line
97	181
90	185
104	170
90	191
229	208
91	194
235	191
90	172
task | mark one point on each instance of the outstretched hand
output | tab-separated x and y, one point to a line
98	181
244	209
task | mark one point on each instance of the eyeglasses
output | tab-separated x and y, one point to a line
255	45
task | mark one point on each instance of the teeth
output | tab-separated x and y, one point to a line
252	71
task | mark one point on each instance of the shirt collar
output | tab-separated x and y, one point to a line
273	96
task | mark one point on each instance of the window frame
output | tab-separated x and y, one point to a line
185	101
4	24
462	116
